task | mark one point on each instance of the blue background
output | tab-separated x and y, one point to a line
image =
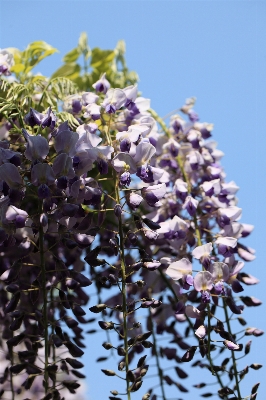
214	50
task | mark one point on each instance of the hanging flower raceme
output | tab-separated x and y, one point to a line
115	201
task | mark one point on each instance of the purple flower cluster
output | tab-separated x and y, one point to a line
116	203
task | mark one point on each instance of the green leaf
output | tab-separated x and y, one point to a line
17	68
100	58
72	55
69	70
36	52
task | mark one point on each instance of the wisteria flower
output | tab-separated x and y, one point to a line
203	253
102	85
114	100
153	194
191	205
37	147
226	245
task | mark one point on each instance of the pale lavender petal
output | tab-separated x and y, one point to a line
177	269
124	162
203	281
37	147
202	251
42	174
10	174
12	212
63	166
219	271
144	152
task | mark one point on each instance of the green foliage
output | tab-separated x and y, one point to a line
81	68
26	60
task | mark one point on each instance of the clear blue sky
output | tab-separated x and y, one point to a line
214	50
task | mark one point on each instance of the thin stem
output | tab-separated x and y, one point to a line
53	330
10	372
123	272
157	358
45	319
233	354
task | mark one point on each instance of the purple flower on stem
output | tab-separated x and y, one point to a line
153	194
125	179
203	253
226	245
102	85
191	205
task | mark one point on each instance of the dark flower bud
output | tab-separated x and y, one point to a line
108	372
62	182
14	341
102	166
188	356
121	351
57	340
74	350
11	306
107	345
106	325
131	376
152	225
74	363
16	369
82	279
132	237
71	323
12	288
118	210
121	366
16	323
78	311
97	309
43	191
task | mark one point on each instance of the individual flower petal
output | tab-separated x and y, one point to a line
37	146
93	111
124	162
10	174
211	187
114	100
203	281
229	214
219	271
152	194
42	174
144	152
89	98
177	269
201	251
65	142
226	245
62	166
